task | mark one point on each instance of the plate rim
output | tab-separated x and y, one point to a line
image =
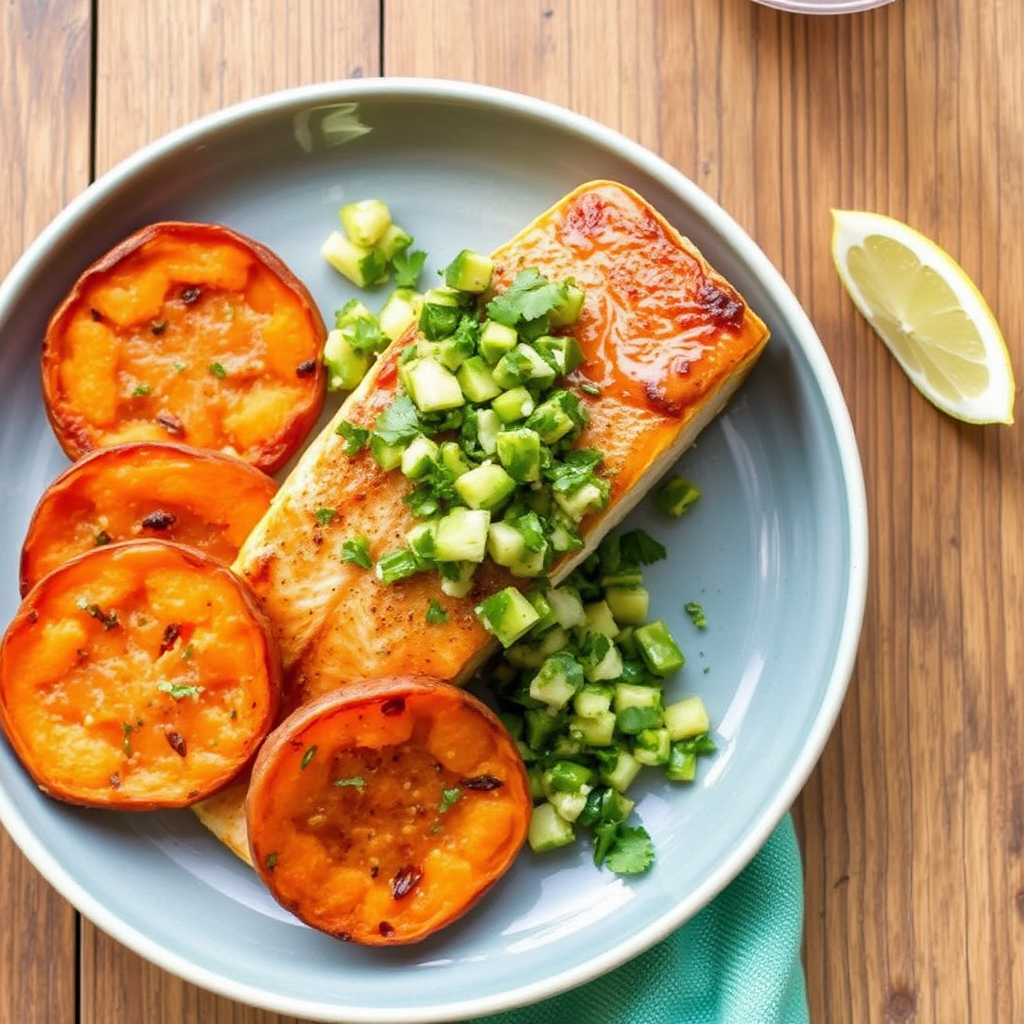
395	89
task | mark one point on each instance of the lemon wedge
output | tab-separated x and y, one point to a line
928	312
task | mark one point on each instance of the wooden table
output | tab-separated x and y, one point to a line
913	823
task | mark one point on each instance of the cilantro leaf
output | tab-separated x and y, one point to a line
324	516
696	612
398	422
179	690
357	551
356	438
640	548
624	849
407	267
436	613
365	335
373	267
530	297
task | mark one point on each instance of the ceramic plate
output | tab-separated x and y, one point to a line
775	552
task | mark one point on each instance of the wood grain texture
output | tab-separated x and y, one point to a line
45	142
912	825
160	65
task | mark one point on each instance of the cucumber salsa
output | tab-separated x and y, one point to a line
485	430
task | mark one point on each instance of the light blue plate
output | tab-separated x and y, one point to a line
776	552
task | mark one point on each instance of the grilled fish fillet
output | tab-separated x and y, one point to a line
667	341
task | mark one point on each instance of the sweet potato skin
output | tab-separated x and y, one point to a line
382	813
189	332
157	489
137	675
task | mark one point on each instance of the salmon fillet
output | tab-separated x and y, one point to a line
666	340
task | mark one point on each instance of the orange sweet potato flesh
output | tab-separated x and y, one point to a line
187	332
138	675
383	813
145	489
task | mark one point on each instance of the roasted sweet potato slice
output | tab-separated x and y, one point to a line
384	812
147	489
137	675
186	332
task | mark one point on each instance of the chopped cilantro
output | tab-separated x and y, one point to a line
407	267
307	757
356	438
530	297
590	389
630	851
399	422
188	652
108	620
179	690
271	861
365	335
449	797
696	613
102	537
141	390
324	516
356	781
357	551
126	732
640	548
218	370
436	613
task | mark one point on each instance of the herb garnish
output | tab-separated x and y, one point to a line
357	551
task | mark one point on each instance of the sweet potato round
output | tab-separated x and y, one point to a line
383	811
148	489
186	332
137	676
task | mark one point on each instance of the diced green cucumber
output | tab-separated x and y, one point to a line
553	641
598	618
535	779
488	425
553	419
422	539
458	578
558	680
567	777
596	730
603	663
682	764
524	365
541	727
469	272
567	605
453	458
514	405
634	695
477	381
399	312
563	353
629	605
592	700
605	804
569	805
591	496
365	221
418	457
505	544
532	563
462	535
496	340
652	746
486	486
660	652
345	366
622	772
569	308
363	266
676	495
548	829
547	620
352	312
687	718
519	452
507	614
394	240
388	456
431	386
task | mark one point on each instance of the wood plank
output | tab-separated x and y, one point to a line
913	823
160	65
44	125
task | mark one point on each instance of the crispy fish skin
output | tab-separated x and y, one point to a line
667	340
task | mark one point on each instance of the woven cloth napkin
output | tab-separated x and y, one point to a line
736	962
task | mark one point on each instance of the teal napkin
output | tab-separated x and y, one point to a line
736	962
